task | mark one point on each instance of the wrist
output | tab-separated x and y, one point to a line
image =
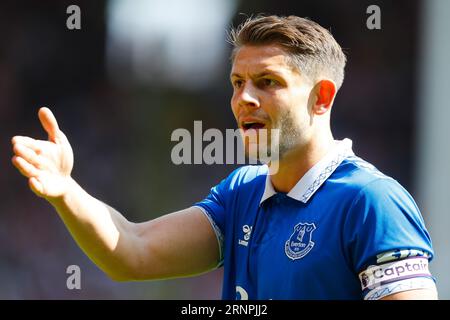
70	188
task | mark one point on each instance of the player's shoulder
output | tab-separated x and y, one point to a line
363	177
247	174
367	181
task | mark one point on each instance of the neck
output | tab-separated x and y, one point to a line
293	165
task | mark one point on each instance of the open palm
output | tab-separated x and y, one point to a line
46	164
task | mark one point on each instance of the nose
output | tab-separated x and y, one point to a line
248	96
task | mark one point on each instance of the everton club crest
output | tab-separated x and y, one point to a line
300	243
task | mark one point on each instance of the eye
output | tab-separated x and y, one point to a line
237	83
266	82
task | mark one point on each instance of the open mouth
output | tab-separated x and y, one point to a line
252	125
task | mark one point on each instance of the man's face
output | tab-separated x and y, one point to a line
269	94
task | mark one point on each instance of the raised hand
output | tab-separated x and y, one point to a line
46	164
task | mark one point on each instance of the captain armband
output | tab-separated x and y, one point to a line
378	281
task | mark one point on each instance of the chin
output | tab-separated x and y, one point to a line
261	153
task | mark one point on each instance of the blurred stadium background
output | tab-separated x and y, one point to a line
137	70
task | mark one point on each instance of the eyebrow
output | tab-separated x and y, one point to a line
258	75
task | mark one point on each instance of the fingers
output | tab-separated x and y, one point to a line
28	142
24	167
49	123
29	156
36	186
30	172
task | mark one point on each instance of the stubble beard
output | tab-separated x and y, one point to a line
291	134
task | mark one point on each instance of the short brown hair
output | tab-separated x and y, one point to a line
311	48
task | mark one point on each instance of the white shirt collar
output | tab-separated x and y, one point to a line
317	175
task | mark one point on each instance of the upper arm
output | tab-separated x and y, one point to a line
178	244
389	244
185	242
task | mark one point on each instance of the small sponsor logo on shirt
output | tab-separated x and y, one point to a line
247	230
300	242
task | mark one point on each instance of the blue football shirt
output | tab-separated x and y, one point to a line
345	231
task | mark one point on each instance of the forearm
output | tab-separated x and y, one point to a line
178	244
101	232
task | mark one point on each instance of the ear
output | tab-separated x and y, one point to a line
325	92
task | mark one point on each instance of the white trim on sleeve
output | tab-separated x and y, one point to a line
218	232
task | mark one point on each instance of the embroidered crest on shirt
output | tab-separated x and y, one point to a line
300	242
247	230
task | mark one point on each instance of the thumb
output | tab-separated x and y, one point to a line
49	123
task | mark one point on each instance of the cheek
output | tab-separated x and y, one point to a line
299	100
303	95
276	103
293	105
234	106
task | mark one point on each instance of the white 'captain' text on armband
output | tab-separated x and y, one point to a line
381	280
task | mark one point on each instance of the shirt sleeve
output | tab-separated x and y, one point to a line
215	207
388	244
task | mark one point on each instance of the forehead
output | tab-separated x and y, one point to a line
253	59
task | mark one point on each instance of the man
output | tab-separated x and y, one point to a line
325	225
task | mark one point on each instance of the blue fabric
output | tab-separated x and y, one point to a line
312	250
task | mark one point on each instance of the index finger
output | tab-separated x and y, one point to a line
27	142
